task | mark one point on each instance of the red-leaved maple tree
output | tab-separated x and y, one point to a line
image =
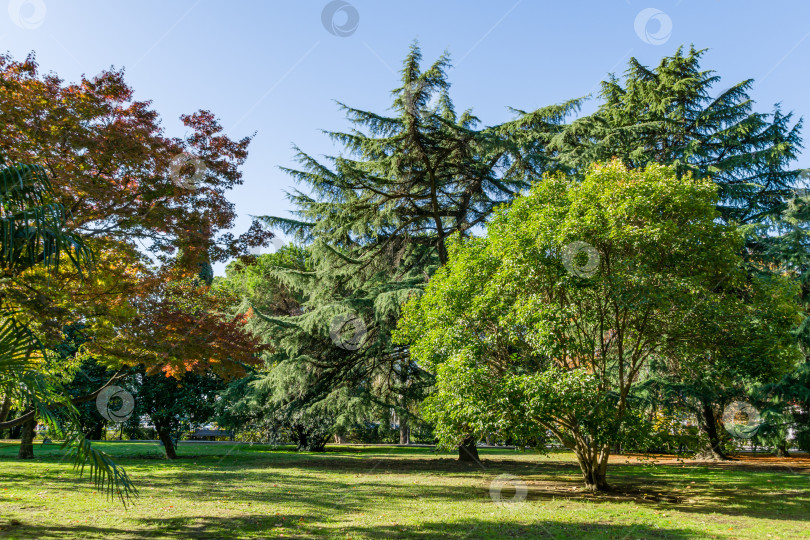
152	208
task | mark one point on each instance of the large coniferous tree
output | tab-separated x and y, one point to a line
376	220
674	114
786	404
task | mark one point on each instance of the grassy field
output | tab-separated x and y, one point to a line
232	491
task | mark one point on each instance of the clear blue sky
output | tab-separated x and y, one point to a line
273	67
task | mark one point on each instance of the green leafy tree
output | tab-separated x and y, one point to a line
679	114
174	404
547	326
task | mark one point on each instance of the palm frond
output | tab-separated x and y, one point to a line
32	225
18	352
106	475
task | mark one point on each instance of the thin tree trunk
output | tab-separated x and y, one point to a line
404	425
168	444
404	431
339	439
468	451
714	450
4	410
27	439
96	432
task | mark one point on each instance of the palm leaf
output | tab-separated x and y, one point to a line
106	475
32	226
33	233
18	353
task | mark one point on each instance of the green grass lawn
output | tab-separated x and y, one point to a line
229	491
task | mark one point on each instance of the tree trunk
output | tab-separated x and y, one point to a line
4	410
27	439
468	451
708	424
594	468
404	424
595	479
168	444
781	450
339	439
404	431
97	431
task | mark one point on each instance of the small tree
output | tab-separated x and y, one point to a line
175	404
547	325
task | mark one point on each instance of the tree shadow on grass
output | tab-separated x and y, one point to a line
237	527
359	484
471	528
193	527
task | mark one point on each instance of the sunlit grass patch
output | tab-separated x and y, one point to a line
261	491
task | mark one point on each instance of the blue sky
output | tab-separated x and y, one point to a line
274	68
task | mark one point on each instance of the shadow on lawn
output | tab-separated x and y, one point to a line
471	528
198	527
360	484
207	527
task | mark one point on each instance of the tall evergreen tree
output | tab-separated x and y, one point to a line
673	114
786	403
376	220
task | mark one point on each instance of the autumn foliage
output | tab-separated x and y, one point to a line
152	208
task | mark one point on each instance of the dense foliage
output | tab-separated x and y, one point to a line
548	325
618	279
